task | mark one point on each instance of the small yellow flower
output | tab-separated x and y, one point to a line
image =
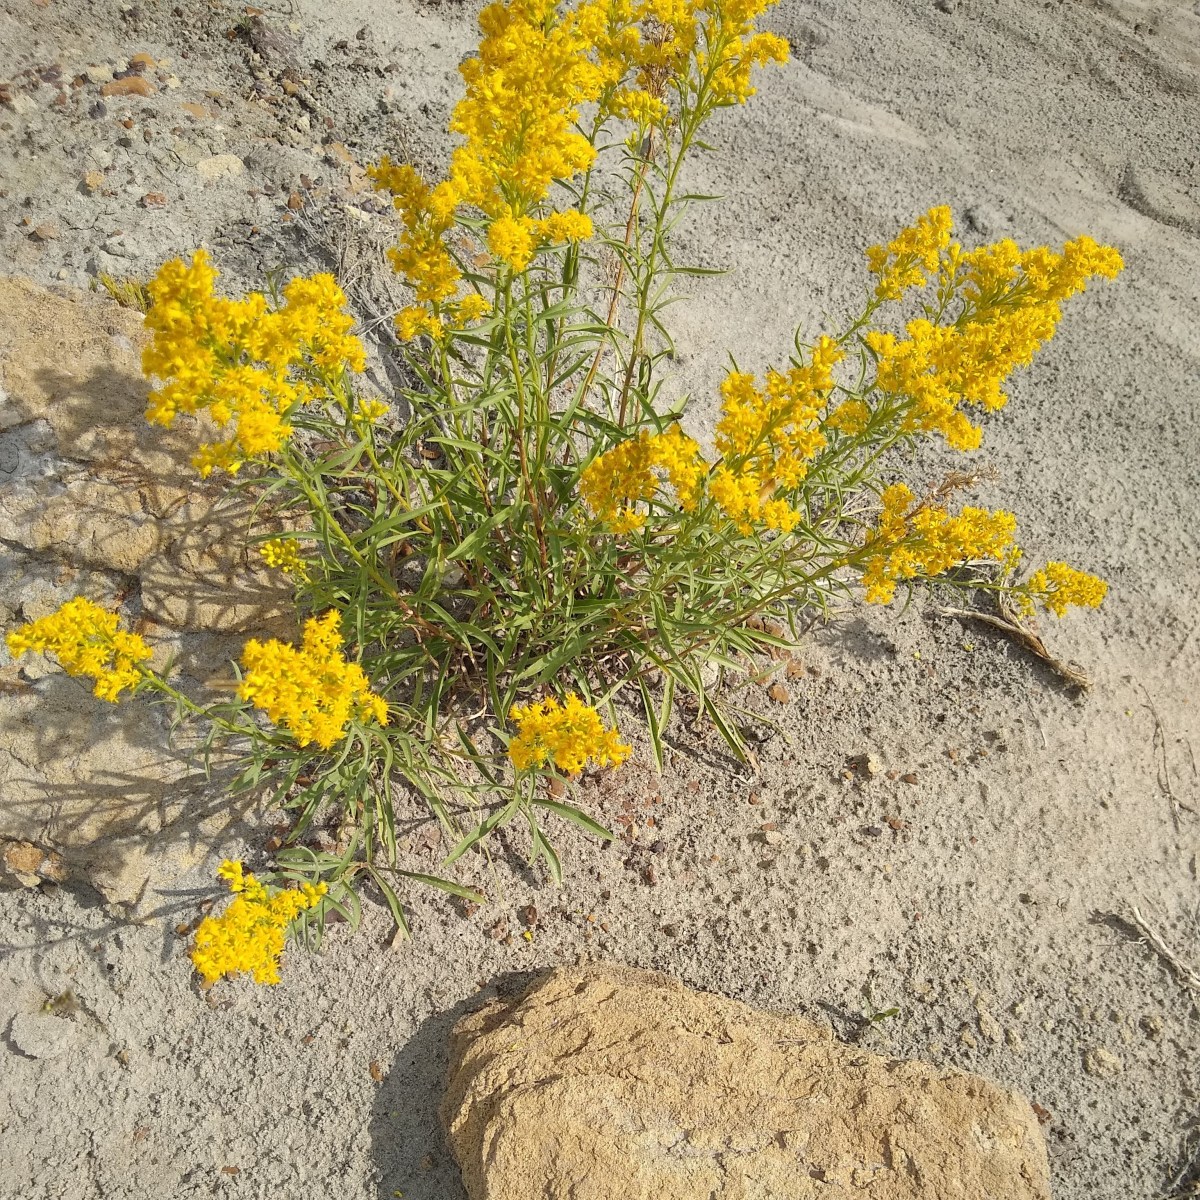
569	734
241	362
413	321
512	240
925	541
1058	586
283	555
613	484
568	226
471	308
249	936
86	640
312	691
372	409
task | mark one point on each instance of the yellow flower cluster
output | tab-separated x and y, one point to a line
767	436
238	360
284	555
534	69
1057	586
733	49
926	541
312	691
249	935
86	640
618	480
912	255
568	734
1009	309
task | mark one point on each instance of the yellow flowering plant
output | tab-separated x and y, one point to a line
538	538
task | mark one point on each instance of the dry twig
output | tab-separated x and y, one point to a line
1146	935
1164	770
1008	622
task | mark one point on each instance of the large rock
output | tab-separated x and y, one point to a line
86	481
605	1081
94	501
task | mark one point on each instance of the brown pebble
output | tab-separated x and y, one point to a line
195	110
528	915
141	61
910	778
650	875
779	693
132	85
154	200
338	152
376	1071
754	798
45	232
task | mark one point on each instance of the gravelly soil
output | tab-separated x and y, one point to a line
966	882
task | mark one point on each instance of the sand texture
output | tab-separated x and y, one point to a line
970	882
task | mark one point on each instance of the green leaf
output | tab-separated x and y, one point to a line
392	901
500	817
542	849
446	885
570	813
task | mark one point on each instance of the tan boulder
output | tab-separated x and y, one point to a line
605	1081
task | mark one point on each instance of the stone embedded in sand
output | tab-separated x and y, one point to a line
131	85
219	166
1102	1062
604	1081
22	864
41	1035
95	501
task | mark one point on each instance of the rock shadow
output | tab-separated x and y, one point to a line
409	1148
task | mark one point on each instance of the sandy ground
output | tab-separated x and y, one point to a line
966	883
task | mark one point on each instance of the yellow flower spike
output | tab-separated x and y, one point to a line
925	541
612	484
512	241
1010	309
284	555
915	251
239	360
414	321
87	641
567	226
1058	587
249	936
312	691
570	734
